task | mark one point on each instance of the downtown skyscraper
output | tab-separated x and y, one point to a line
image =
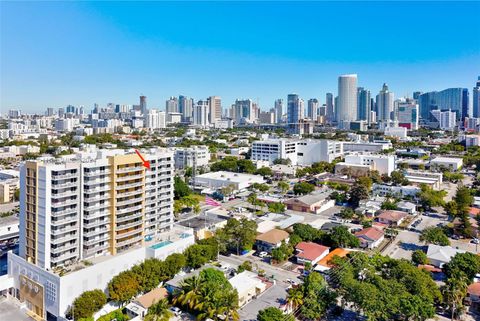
476	99
385	99
346	108
295	109
363	104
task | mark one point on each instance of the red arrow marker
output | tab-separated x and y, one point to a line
145	163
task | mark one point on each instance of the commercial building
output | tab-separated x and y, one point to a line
364	104
191	156
365	146
384	164
248	286
155	119
446	119
314	203
330	108
417	178
397	191
406	113
476	99
312	108
201	114
243	111
299	152
454	99
346	104
217	180
215	108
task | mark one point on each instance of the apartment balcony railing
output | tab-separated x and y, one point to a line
96	173
65	212
96	205
126	194
129	201
63	239
96	232
128	217
128	225
130	241
66	220
131	185
129	209
64	185
65	203
126	234
128	177
63	230
129	169
63	248
96	240
97	189
97	181
96	223
93	250
64	176
64	257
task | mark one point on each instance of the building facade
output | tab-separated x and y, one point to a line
346	104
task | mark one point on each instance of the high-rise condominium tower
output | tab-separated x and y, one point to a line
82	208
476	99
143	104
312	108
385	104
346	107
330	108
278	110
295	107
215	108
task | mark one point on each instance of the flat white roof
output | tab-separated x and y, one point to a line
447	160
244	281
231	176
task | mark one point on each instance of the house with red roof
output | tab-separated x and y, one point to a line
310	252
392	218
370	237
473	295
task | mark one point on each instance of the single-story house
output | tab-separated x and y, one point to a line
314	203
370	207
271	240
248	286
473	295
205	225
370	237
451	163
310	252
407	207
439	255
393	218
324	264
137	309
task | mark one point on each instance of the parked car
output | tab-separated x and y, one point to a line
176	311
475	241
263	254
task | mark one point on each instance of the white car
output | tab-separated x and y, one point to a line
475	241
176	311
263	254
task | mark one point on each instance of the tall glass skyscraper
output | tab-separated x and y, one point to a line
363	104
330	109
476	99
385	100
295	109
455	99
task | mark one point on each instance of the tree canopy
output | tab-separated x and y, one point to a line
302	188
434	235
85	305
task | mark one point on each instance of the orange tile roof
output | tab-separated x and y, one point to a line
148	299
337	252
474	289
274	236
474	211
371	233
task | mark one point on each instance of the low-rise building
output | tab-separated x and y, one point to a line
313	203
417	178
450	163
396	191
217	180
138	308
188	157
325	264
384	164
271	240
407	207
370	237
248	285
309	252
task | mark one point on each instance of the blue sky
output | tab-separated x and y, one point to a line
58	53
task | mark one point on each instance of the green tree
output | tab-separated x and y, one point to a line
180	188
357	193
347	213
273	314
463	265
307	232
283	252
265	171
419	257
302	188
123	286
365	181
398	178
159	311
389	205
284	186
464	199
434	235
245	266
454	292
85	305
237	235
341	237
430	198
276	207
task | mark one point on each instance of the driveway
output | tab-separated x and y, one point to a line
270	298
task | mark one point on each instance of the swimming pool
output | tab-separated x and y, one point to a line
161	244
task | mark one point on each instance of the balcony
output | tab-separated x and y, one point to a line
131	185
130	169
96	173
65	185
98	189
65	212
96	205
130	241
64	230
126	194
128	217
96	232
96	223
128	177
64	257
63	239
65	203
63	194
129	209
97	181
92	251
96	240
128	225
129	201
64	248
130	233
66	220
64	176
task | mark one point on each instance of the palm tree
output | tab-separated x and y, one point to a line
159	312
196	209
252	199
190	295
454	291
295	298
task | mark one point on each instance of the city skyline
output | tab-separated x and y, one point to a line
112	60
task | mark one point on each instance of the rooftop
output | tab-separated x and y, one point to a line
310	250
231	176
337	252
274	236
371	233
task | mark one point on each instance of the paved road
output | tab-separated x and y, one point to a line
10	310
